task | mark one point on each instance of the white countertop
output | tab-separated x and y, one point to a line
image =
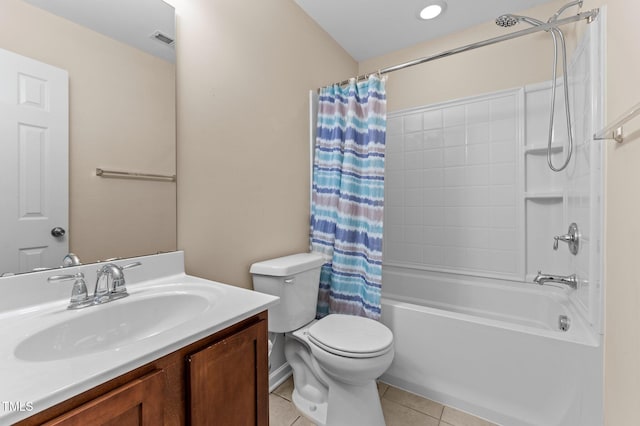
28	387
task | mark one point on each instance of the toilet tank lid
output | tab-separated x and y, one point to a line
288	265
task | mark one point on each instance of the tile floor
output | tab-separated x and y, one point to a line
400	408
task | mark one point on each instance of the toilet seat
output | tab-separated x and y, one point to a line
351	336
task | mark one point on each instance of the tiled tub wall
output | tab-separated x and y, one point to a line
468	189
452	187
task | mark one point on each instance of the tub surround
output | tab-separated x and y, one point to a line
28	300
470	218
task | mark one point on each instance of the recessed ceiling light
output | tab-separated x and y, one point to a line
432	10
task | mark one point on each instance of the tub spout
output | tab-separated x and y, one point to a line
569	280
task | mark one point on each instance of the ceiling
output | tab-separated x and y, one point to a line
364	28
130	21
369	28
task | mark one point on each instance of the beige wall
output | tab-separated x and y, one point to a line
244	72
122	117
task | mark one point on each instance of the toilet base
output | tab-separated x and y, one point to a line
349	405
316	412
332	390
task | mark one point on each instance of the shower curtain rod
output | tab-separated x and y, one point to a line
589	16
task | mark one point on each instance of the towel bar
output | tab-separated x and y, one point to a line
131	175
615	131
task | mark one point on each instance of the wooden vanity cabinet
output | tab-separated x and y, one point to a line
219	380
139	402
235	367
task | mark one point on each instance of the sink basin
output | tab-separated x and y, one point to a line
112	325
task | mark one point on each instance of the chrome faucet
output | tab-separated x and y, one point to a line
569	280
104	291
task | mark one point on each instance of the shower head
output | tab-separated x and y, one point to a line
506	21
509	20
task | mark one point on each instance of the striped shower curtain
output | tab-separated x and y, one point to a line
347	196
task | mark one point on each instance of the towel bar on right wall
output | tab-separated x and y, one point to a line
615	131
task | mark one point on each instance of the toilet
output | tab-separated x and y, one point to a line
335	360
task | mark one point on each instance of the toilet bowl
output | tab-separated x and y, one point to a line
335	360
348	394
349	348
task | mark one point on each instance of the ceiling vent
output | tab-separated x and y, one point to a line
163	38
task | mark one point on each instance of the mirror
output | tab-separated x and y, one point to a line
120	60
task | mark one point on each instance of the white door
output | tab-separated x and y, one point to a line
34	157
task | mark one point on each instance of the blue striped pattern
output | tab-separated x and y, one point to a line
348	194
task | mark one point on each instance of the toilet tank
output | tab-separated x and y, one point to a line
295	279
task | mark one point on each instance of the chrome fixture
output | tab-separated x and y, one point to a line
104	291
588	16
506	21
572	238
510	20
614	130
568	280
565	7
79	295
71	260
564	322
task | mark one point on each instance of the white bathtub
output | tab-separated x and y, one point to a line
493	349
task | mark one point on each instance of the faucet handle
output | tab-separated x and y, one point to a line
79	293
564	238
68	277
572	238
131	265
119	287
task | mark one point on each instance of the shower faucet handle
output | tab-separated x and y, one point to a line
572	238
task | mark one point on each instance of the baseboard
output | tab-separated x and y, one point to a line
279	376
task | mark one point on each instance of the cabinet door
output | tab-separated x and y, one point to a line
229	381
139	402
